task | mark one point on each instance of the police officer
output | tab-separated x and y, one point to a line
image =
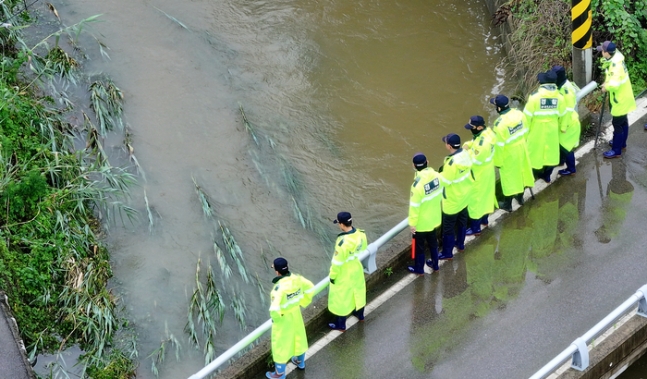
621	96
347	293
569	136
457	179
511	153
425	213
289	340
544	111
481	151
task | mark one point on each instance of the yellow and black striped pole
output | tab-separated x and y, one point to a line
582	39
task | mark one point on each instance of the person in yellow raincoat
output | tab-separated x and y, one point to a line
569	136
510	154
289	340
621	96
457	180
545	114
481	151
347	293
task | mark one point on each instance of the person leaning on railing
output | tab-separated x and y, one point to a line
289	340
621	96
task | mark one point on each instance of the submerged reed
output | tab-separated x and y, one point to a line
248	126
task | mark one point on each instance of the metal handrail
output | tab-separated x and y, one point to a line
368	253
578	350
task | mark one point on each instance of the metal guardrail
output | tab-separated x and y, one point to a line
578	351
368	260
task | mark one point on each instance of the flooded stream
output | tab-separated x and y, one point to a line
338	96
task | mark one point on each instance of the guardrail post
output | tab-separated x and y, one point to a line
642	304
580	360
370	265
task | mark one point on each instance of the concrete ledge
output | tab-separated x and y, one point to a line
14	360
316	317
619	350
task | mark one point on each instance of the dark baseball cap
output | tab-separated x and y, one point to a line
419	159
547	77
607	46
500	101
280	265
343	218
452	140
475	121
560	71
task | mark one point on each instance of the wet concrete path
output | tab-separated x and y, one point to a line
520	294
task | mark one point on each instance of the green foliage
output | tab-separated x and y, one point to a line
625	23
118	367
52	198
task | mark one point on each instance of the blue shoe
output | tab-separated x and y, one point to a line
279	373
443	257
413	270
430	264
470	232
300	361
334	326
610	154
566	172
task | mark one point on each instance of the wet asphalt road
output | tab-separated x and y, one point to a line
521	293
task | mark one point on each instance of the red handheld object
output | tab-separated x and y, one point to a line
413	248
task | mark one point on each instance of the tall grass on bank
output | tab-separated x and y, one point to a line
54	198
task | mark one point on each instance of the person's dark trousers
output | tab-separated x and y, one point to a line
454	227
548	171
567	157
475	225
340	322
620	133
359	314
432	242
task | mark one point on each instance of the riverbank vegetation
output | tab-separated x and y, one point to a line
57	188
541	37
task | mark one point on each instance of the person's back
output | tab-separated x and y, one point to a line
457	179
289	341
426	196
481	151
544	111
511	153
347	291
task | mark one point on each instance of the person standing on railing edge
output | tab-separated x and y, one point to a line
569	136
289	339
457	180
424	214
347	291
511	152
545	114
481	151
621	96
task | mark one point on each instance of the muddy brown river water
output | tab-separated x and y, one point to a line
339	95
